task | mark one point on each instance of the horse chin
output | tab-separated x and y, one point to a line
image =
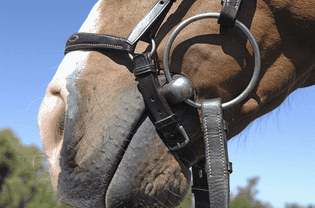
148	175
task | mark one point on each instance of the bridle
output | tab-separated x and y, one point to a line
177	89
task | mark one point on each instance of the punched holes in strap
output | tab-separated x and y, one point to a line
173	135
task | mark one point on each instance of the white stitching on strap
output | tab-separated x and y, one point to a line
101	44
222	145
207	139
117	38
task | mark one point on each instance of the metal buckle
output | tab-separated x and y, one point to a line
180	145
153	48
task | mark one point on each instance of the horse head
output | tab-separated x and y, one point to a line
104	152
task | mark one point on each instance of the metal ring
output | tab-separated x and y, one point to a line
153	48
249	35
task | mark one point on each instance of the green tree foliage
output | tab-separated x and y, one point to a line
23	182
246	196
295	205
240	201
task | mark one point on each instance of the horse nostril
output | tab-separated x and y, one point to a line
54	89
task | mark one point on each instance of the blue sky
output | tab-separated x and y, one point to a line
279	147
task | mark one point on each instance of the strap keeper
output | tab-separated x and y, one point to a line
230	169
165	122
143	64
225	126
144	70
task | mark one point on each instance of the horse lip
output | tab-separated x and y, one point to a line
136	180
133	132
112	183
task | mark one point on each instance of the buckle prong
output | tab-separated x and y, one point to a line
180	145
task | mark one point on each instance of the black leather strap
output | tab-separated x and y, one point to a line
188	117
173	135
217	168
187	156
91	41
229	12
200	184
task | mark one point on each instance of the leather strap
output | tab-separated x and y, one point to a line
173	135
217	168
92	41
187	117
200	184
229	12
187	156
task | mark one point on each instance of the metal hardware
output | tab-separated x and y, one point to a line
178	90
153	48
150	23
249	35
180	145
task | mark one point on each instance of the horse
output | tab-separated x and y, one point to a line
103	151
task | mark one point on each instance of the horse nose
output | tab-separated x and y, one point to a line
57	92
50	114
50	121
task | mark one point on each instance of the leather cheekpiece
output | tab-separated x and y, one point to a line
217	161
229	12
163	118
